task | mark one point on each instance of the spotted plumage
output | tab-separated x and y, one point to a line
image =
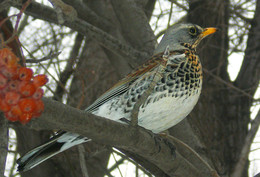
177	87
180	86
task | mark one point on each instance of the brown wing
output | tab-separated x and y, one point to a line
123	85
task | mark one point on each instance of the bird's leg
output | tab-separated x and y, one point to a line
162	138
158	138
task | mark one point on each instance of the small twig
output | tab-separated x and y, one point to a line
119	162
177	141
50	56
4	143
179	5
228	84
257	175
238	170
106	40
14	35
19	15
14	163
68	71
117	166
123	156
64	9
247	20
82	161
170	16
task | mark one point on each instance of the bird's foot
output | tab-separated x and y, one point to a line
158	138
162	138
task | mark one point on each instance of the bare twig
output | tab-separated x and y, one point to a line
179	5
123	156
51	55
182	145
104	39
62	8
228	84
117	166
82	161
238	170
3	144
118	162
170	16
257	175
14	162
66	73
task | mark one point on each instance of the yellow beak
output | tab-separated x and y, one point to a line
208	31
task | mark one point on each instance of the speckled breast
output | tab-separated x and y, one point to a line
172	99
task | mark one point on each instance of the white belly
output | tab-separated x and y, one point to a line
158	116
166	112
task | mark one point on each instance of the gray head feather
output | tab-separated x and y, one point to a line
177	34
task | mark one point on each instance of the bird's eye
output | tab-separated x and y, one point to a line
193	31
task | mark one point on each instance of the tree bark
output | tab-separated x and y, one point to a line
3	144
117	38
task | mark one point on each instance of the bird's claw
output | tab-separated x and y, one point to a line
161	138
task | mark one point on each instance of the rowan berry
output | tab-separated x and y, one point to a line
3	81
7	57
10	72
38	93
13	85
27	105
26	88
39	108
40	80
4	106
16	110
11	117
12	98
25	74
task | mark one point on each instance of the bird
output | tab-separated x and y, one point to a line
175	73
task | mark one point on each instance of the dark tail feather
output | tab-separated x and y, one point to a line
55	145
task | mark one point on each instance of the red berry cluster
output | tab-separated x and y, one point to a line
20	91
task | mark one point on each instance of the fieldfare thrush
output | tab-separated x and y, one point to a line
171	98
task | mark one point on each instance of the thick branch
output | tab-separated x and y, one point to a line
249	75
3	144
134	25
84	12
238	170
65	75
135	140
48	14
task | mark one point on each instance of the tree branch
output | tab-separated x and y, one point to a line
48	14
84	12
134	25
105	131
66	73
249	74
239	168
3	144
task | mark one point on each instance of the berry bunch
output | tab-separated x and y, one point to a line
20	91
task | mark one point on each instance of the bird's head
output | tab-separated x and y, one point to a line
182	36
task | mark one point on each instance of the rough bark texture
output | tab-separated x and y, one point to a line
3	144
117	37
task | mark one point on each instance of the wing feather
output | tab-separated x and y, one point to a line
123	86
